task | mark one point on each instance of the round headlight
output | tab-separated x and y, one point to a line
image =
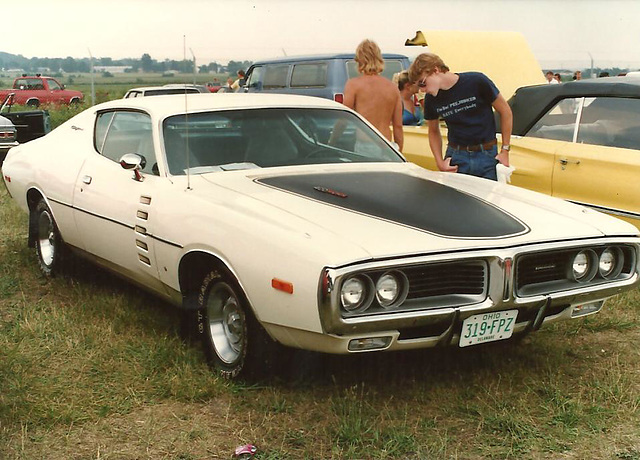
584	266
353	294
607	262
387	290
580	265
610	263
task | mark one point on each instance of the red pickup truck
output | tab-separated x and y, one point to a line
38	90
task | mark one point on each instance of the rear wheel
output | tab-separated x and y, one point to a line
33	103
233	340
48	242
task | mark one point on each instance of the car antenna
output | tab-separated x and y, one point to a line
186	117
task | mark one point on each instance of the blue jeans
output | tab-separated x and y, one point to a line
481	163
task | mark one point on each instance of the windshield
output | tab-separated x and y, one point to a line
241	139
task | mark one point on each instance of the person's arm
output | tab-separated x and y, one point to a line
506	126
435	142
396	122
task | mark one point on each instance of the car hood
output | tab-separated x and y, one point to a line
505	57
402	209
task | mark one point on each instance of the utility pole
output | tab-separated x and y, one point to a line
93	91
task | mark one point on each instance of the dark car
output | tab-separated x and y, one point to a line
319	75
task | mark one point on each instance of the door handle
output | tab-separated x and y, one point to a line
86	179
564	162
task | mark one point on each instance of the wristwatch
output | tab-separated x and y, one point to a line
506	147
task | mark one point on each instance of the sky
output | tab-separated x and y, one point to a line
561	33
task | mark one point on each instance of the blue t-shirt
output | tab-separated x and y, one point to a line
466	109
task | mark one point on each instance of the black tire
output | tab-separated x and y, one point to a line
233	340
33	103
48	242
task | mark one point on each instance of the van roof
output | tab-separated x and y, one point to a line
322	57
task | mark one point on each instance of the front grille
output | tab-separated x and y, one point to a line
428	286
551	271
445	279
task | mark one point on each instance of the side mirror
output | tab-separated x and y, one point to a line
134	162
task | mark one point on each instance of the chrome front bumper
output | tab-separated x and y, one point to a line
439	325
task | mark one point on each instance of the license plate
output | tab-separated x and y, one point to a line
488	327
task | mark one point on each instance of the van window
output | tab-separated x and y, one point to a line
391	67
275	76
255	77
307	75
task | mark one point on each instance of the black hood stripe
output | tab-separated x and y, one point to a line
406	200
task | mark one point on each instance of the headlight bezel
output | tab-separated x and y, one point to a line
367	294
402	287
591	270
618	262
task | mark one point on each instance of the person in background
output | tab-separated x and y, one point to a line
239	83
411	112
577	75
558	77
550	78
464	101
373	96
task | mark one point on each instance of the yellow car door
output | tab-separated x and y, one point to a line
600	167
601	177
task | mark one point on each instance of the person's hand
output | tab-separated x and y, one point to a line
445	166
503	157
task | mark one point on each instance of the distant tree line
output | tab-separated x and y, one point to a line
146	64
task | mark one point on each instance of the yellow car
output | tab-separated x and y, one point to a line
578	140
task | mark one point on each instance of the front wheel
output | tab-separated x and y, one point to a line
48	242
233	340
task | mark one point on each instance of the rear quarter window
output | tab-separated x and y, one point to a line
309	75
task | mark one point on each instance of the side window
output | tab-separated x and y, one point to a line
53	85
391	67
610	121
559	123
256	77
275	76
309	75
119	133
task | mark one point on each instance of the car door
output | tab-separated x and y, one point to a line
56	94
113	208
600	168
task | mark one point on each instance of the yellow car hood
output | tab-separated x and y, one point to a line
505	57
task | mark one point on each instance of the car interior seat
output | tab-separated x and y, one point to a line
269	143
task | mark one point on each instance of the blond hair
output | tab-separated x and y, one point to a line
426	63
369	58
402	79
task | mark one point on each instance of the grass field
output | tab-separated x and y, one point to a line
91	368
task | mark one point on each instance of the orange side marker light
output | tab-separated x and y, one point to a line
281	285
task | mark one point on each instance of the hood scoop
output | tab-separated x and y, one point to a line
405	200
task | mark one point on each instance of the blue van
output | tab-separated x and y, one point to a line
316	75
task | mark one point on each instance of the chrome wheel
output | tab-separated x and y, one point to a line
226	322
46	238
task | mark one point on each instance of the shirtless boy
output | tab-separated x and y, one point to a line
373	96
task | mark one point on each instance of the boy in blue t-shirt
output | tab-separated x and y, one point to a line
464	101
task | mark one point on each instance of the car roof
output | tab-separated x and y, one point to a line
321	57
181	103
529	102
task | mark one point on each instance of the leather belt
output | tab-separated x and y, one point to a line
474	148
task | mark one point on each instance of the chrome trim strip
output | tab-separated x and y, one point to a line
130	227
614	211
